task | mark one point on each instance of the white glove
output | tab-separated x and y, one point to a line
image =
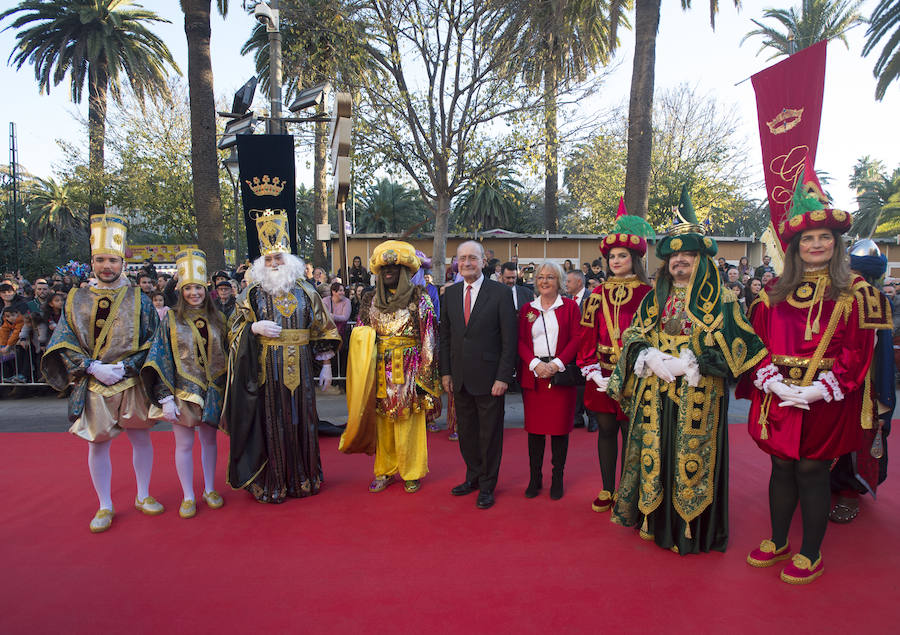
601	381
656	361
170	409
266	328
108	374
325	376
787	395
676	366
808	394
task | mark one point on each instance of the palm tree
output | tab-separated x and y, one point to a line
640	105
818	20
557	43
54	211
491	203
97	40
877	197
204	156
887	67
389	207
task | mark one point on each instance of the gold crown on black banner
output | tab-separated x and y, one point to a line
272	229
266	186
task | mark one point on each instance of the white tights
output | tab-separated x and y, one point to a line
100	466
184	457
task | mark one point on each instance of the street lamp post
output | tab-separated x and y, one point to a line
267	13
233	168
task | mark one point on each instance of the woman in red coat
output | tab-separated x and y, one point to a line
810	394
605	316
548	340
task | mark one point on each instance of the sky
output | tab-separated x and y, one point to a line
688	51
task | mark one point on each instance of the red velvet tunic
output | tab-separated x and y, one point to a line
598	349
845	342
548	409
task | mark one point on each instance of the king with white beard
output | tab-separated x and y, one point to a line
280	330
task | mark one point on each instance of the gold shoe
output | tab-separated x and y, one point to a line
149	506
213	500
603	502
412	486
188	509
102	520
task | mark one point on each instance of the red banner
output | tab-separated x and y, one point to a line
789	109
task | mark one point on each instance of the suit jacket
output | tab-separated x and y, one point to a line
477	354
524	296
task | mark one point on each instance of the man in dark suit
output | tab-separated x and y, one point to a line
521	295
478	338
576	290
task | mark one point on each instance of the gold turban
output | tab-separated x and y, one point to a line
394	252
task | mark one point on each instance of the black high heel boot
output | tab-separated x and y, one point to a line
536	444
559	448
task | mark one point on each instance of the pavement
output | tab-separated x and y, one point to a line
39	410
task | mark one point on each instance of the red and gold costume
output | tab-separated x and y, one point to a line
606	315
811	338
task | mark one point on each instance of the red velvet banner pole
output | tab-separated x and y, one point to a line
789	108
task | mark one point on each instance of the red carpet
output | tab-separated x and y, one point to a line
350	561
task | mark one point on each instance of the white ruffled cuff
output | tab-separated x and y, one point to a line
829	385
587	370
640	364
166	399
766	376
692	372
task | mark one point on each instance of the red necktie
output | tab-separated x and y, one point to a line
467	308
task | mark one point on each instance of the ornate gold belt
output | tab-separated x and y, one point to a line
288	337
392	343
602	349
796	365
289	340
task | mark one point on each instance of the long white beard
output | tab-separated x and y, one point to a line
280	281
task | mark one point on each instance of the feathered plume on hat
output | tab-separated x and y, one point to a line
810	209
629	232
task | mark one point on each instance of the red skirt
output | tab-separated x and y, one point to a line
597	401
549	409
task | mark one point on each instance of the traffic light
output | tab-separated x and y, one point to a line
339	133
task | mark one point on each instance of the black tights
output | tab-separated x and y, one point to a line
608	447
806	481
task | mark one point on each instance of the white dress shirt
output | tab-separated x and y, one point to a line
539	341
579	296
515	298
476	287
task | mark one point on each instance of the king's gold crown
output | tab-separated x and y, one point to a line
266	186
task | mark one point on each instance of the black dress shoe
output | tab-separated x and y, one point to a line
464	488
485	500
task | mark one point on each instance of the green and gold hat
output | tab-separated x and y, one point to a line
686	234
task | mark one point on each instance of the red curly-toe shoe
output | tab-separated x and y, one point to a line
801	570
767	554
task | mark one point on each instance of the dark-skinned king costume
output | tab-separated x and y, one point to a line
393	381
270	403
675	479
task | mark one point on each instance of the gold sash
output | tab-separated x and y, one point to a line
392	344
290	341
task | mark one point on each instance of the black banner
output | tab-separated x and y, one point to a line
267	182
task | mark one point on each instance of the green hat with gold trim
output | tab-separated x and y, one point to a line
686	234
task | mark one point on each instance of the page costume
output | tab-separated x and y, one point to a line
393	381
99	345
675	479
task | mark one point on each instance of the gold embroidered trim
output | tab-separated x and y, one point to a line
827	363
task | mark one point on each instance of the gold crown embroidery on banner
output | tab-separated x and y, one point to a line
266	186
272	229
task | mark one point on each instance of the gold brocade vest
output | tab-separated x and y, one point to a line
199	354
107	324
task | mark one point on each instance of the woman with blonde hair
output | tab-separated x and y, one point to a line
548	343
